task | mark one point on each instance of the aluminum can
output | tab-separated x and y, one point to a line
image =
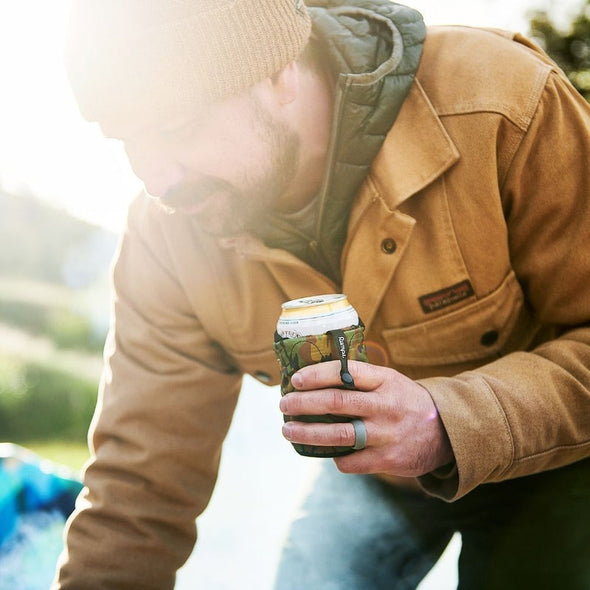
316	315
312	330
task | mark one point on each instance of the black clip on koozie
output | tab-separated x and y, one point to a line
341	347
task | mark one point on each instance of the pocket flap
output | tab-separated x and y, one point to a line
477	331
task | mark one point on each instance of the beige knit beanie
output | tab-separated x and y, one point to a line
155	58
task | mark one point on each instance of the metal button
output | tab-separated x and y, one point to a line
489	338
388	246
263	377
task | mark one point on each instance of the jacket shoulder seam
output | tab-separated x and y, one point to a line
532	66
518	116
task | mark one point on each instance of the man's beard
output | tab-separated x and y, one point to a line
225	209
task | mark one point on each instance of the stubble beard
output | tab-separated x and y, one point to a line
225	209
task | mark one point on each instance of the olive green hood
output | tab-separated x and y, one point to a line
373	48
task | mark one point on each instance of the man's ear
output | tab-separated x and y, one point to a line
285	83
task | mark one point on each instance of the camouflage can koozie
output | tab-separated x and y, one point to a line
294	353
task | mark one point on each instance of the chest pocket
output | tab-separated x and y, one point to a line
480	331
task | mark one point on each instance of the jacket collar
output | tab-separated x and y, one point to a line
368	97
372	49
417	150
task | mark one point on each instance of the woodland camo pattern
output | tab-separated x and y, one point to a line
294	353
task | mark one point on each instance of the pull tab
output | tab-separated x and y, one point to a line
341	347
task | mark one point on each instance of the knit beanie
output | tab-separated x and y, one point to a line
156	58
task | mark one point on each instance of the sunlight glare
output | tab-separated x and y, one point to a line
47	149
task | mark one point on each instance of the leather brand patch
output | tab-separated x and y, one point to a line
446	297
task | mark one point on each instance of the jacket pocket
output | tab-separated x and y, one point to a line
480	330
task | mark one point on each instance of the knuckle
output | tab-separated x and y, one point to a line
360	370
338	400
343	436
310	373
356	368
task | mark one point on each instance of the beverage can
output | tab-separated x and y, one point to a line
316	315
314	330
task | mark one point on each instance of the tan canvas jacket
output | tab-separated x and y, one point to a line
468	258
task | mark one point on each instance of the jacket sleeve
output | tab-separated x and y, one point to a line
530	411
165	404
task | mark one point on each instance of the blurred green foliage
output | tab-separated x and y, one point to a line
67	329
569	48
39	402
53	284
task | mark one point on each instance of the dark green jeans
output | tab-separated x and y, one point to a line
357	533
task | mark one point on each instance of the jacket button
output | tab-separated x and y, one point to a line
388	246
489	338
263	377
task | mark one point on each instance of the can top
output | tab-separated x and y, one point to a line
308	306
316	315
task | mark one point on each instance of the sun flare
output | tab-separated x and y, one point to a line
48	150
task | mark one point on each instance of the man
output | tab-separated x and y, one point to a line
437	178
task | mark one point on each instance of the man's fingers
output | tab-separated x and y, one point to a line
341	402
327	374
340	434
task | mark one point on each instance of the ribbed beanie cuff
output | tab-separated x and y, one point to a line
154	58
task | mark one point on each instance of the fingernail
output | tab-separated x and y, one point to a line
296	380
283	405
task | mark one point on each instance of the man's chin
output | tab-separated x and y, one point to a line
213	216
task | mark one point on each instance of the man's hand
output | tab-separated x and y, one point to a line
405	435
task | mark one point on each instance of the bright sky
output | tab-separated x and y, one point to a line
45	146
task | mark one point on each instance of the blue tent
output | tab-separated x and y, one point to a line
36	497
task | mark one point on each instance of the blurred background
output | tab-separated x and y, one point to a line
63	194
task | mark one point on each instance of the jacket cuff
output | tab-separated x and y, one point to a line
478	431
442	483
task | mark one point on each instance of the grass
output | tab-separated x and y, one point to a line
70	454
48	370
47	397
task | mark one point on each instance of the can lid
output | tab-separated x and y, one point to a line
308	305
